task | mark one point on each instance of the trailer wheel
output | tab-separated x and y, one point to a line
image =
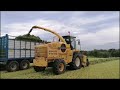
38	69
59	66
12	66
24	64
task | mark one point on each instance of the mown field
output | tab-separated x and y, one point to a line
100	68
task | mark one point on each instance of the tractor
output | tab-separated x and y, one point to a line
59	55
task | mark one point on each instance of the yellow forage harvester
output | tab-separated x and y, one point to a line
59	55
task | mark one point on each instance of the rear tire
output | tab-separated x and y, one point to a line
38	69
76	62
24	64
12	66
59	66
88	63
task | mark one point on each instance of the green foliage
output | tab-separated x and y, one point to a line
104	53
101	60
29	38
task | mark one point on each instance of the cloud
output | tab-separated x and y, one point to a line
105	28
23	28
90	20
104	36
100	38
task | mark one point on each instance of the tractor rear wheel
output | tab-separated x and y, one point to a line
38	69
59	66
87	63
76	62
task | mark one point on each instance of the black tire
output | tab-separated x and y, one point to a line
59	66
12	66
76	62
88	63
38	69
24	64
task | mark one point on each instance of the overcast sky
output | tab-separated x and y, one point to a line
95	29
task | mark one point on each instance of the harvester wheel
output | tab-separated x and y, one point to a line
12	66
25	64
38	69
59	66
76	62
88	63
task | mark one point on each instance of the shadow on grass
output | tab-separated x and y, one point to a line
2	68
49	71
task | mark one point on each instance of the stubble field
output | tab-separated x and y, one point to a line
100	68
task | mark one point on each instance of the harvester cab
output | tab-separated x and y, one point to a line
59	55
72	41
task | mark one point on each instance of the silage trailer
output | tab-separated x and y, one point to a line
16	54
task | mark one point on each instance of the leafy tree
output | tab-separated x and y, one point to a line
104	53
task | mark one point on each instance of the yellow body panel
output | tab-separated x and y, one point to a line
84	60
50	52
42	62
69	56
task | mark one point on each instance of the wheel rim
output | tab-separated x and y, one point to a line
13	66
24	65
61	67
77	62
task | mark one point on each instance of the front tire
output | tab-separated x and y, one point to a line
59	66
12	66
88	63
76	62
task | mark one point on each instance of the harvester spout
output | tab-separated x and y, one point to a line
45	29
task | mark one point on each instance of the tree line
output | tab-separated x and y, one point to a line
104	53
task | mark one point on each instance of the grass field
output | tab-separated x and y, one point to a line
103	70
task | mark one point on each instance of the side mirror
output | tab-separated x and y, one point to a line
78	42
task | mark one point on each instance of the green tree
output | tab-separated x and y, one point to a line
96	53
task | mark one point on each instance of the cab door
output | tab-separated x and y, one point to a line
77	44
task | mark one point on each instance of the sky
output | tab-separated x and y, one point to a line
95	29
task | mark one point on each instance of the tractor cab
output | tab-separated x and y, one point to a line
74	44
